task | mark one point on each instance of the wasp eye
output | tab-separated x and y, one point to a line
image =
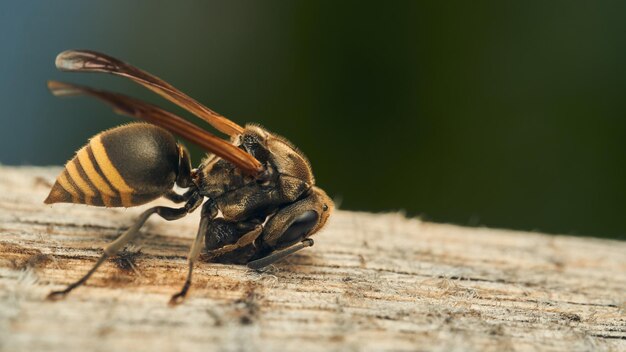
325	207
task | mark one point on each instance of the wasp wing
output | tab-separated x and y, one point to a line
92	61
132	107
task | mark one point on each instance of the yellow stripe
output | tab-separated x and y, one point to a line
62	180
105	191
82	185
110	172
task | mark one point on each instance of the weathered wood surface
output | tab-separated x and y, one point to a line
372	282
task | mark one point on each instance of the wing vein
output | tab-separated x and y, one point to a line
132	107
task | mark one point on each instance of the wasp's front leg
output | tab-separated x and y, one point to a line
289	229
232	241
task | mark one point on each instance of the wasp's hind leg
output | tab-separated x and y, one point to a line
179	198
165	212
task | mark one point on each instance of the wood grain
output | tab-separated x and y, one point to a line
372	282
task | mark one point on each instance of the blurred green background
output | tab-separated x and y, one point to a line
502	114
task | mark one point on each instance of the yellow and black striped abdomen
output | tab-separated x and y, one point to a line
122	167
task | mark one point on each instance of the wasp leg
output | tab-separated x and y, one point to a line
130	234
233	241
209	211
288	230
179	198
184	178
278	255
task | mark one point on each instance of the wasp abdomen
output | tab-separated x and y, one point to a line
123	167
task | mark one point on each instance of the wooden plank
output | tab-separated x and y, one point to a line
372	282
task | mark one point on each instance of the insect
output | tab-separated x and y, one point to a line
257	193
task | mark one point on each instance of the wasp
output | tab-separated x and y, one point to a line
257	193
